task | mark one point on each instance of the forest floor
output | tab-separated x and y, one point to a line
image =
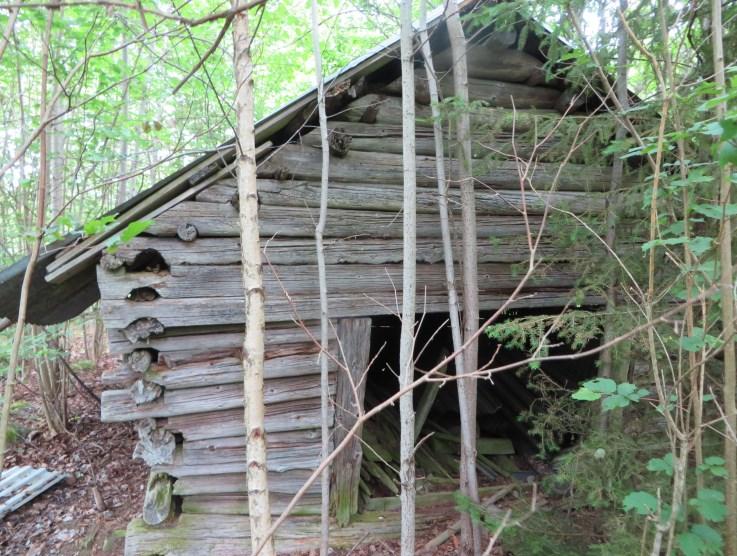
86	514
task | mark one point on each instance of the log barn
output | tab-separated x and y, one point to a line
172	298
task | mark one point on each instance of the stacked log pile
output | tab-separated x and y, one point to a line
172	301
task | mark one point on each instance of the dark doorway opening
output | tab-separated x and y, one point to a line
505	444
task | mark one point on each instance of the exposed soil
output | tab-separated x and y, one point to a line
87	513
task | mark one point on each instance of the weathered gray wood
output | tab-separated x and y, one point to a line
339	141
133	366
222	251
117	405
142	329
388	197
495	93
217	220
219	192
229	370
187	231
287	482
495	63
229	310
157	503
143	392
237	504
224	281
354	338
385	109
110	262
296	414
155	445
303	162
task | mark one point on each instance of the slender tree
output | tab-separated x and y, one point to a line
470	532
322	278
253	344
409	274
726	288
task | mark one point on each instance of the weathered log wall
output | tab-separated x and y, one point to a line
172	300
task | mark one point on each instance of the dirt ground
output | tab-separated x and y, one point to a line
86	514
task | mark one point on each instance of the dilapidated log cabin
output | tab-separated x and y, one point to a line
172	298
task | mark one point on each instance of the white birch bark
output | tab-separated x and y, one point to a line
406	342
470	532
322	278
253	344
123	167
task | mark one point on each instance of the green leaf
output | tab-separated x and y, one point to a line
643	503
715	211
601	385
690	544
661	465
134	229
711	537
714	465
699	245
727	153
586	395
613	402
710	504
668	241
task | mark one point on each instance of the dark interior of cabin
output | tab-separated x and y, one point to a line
505	446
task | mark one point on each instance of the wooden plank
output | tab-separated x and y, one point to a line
488	62
229	370
294	414
182	282
221	220
287	482
229	310
354	338
118	406
237	504
282	251
388	197
303	162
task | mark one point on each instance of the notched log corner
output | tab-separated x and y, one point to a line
142	294
143	392
155	445
157	504
142	329
139	361
187	231
111	263
339	142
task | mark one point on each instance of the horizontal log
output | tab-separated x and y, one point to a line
202	343
304	162
278	251
493	62
279	462
383	109
287	482
295	414
229	310
229	370
117	405
221	220
237	504
182	282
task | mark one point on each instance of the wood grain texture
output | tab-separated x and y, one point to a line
237	504
230	483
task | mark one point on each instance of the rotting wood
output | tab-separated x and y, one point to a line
225	310
117	405
184	281
216	220
155	445
295	251
110	262
501	94
143	392
339	142
296	414
304	163
237	504
491	61
139	361
157	503
354	339
187	232
142	328
287	482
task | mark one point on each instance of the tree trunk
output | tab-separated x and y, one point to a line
406	342
123	168
322	278
470	532
727	300
253	343
43	176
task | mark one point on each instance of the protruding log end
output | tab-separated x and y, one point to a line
155	445
139	361
569	101
143	329
111	263
143	392
157	504
339	142
187	232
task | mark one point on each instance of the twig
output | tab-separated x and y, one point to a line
79	381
